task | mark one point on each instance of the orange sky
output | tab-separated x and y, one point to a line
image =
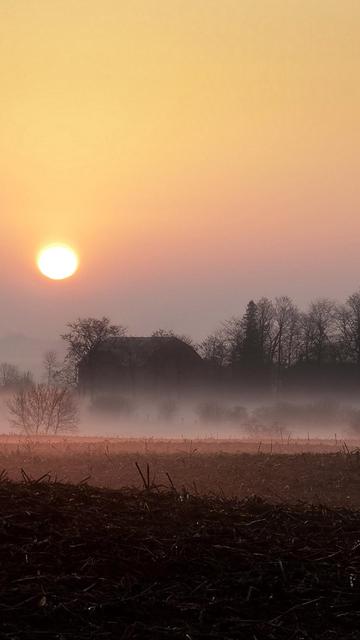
196	153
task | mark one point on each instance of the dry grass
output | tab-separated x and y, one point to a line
323	472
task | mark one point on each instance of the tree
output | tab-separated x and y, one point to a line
284	342
84	335
43	409
266	319
348	323
245	340
251	352
233	334
318	329
51	366
169	333
213	348
163	333
11	377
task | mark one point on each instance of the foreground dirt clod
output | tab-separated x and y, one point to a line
79	562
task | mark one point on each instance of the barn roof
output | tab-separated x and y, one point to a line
140	350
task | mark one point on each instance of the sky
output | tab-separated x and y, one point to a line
195	153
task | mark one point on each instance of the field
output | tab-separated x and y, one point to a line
179	539
313	471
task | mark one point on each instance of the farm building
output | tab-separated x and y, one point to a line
133	365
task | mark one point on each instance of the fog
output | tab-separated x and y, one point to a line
204	416
210	415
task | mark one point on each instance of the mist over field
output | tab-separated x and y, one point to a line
203	417
208	416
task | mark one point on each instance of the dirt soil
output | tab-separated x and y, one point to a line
80	562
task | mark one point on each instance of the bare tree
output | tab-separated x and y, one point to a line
163	333
319	329
43	409
348	324
52	367
169	333
67	374
286	326
233	332
293	343
307	330
287	322
213	348
11	377
266	319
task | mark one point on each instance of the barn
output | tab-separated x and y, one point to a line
136	364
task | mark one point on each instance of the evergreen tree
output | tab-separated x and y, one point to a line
251	352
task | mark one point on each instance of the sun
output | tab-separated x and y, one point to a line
57	261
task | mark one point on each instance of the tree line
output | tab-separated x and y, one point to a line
275	343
